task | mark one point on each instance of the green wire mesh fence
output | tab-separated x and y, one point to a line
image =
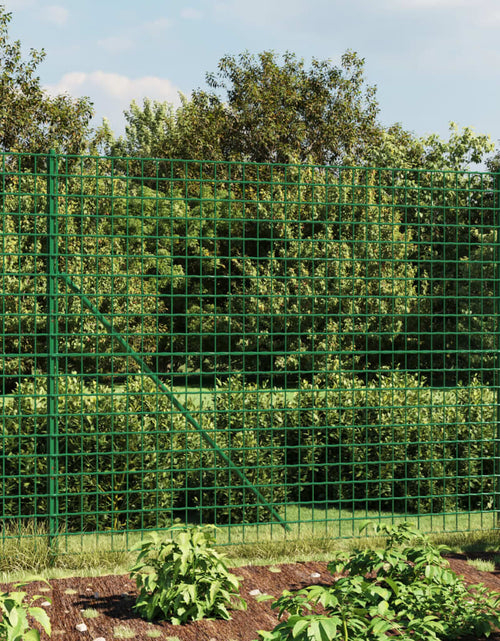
280	350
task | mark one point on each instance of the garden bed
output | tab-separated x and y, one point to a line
109	601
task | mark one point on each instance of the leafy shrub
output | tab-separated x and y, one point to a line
126	457
14	624
277	278
184	579
108	250
118	453
404	591
393	441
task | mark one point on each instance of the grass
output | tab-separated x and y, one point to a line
482	565
123	632
90	613
200	396
485	565
314	535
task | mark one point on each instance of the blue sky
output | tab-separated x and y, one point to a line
433	61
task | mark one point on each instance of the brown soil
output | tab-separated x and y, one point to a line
113	597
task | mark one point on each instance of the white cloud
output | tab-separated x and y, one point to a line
131	39
283	20
112	93
115	85
489	18
53	13
191	14
116	44
262	12
56	14
157	27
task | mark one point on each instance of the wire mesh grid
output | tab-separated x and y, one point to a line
277	349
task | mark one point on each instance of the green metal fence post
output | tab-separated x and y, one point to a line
496	291
52	346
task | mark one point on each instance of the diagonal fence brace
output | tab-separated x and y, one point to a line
175	401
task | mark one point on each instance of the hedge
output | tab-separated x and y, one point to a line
127	458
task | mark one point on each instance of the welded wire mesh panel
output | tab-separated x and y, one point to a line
257	346
23	288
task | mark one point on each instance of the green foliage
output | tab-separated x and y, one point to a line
30	119
122	454
394	442
104	249
405	590
184	578
271	110
452	216
213	283
14	624
282	269
334	285
127	458
400	149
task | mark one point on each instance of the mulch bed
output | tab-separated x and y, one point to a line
113	597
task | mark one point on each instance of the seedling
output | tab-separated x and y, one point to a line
405	590
184	578
14	625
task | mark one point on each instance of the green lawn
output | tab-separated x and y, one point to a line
314	534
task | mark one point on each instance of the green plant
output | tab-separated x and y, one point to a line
123	632
14	624
184	578
90	613
394	441
405	590
482	565
123	425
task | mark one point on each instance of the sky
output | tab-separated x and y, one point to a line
432	61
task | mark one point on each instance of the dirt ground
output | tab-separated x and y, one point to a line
110	600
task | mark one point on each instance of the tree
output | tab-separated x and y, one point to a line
30	119
148	133
286	113
399	148
261	109
450	209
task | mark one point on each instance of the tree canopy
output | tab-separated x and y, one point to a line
30	119
267	108
263	109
